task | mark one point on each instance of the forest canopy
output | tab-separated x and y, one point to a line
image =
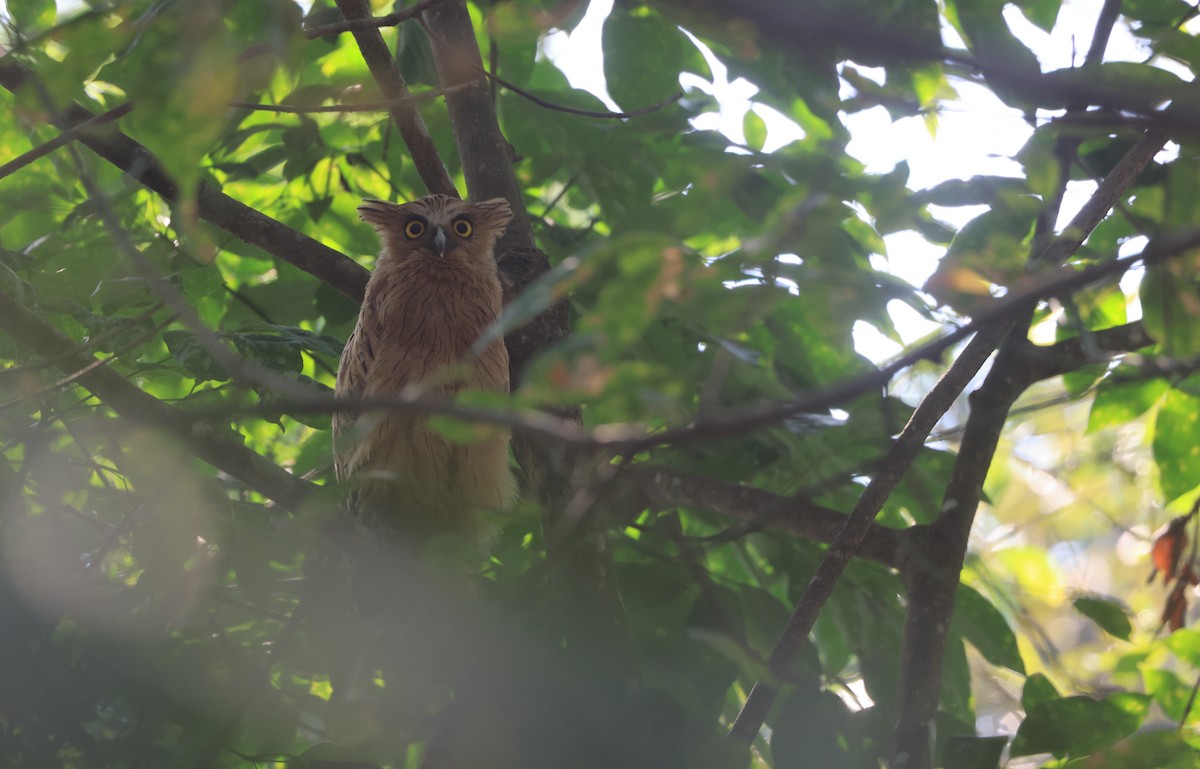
741	541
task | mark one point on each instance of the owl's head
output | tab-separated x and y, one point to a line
438	226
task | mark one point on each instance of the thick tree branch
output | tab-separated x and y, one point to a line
239	220
850	538
1073	354
932	579
1118	180
391	84
482	148
662	487
582	565
219	448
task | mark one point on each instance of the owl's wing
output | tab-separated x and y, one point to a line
351	383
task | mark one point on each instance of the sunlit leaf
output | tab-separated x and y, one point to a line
1175	448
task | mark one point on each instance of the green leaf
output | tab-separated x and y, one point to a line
1107	613
271	351
1159	749
194	357
1153	17
1185	643
813	728
755	129
994	247
1170	307
992	41
980	623
1079	726
1036	691
1176	448
31	14
976	191
1130	85
643	56
1043	13
1170	692
185	63
1122	397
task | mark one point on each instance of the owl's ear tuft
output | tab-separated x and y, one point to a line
380	214
496	212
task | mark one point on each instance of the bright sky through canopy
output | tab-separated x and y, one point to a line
976	134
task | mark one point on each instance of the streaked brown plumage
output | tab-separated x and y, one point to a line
433	292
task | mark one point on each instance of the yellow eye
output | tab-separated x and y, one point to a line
462	227
415	228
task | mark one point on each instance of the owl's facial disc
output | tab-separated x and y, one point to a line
439	241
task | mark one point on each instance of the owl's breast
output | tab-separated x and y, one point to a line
423	320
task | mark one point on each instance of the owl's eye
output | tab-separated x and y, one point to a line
414	229
462	227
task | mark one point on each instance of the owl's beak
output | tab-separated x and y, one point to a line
439	241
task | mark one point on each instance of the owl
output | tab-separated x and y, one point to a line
433	293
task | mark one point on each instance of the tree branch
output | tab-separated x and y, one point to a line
367	106
238	219
217	447
391	84
482	148
582	112
368	23
1073	354
1031	289
629	438
66	137
1123	174
849	539
590	599
932	580
663	487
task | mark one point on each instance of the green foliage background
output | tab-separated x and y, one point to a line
160	612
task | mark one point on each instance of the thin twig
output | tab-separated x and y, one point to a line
376	22
368	106
632	437
662	487
583	112
243	222
558	198
215	446
350	25
1187	710
66	137
83	371
90	343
